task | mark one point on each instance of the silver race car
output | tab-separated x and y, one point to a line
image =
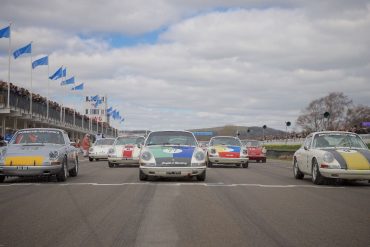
100	149
39	152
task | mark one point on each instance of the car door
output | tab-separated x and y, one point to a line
70	151
306	154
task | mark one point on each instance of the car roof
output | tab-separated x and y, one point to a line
332	132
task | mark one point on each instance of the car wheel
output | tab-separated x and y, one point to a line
258	161
296	172
111	165
2	178
202	176
317	178
91	159
209	163
63	173
245	165
74	171
142	176
264	160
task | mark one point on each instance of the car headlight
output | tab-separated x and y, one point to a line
53	155
146	156
213	151
328	157
199	156
264	150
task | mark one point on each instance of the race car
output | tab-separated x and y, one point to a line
172	154
125	150
226	150
100	149
39	152
332	155
255	150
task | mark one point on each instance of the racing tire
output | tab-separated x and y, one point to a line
143	176
317	178
258	161
111	165
202	177
245	165
296	172
91	159
264	160
209	164
2	178
74	171
63	173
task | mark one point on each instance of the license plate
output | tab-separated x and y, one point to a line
173	173
22	167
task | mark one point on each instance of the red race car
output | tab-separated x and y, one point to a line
255	150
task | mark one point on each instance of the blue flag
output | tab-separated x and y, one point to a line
95	98
68	81
23	50
5	32
64	73
40	61
79	87
58	74
98	102
109	110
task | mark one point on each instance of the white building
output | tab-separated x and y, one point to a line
96	108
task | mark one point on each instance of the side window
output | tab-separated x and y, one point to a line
66	138
307	142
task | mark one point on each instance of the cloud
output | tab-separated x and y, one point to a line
253	64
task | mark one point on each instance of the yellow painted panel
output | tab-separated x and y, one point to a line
355	161
24	160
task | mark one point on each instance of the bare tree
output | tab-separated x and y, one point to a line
357	115
337	104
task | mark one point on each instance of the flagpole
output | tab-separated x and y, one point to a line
9	51
47	95
31	83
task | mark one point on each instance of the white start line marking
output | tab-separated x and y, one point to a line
175	184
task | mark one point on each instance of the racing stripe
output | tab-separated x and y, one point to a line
342	162
366	153
355	160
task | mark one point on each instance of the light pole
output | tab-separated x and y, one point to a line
326	116
263	131
287	124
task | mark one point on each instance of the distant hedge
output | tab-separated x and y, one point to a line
287	147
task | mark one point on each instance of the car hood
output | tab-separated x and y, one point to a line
228	151
172	155
351	159
27	150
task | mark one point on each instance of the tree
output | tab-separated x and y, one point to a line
337	104
357	115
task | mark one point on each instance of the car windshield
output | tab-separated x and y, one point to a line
252	143
38	136
225	141
334	140
104	142
171	138
128	140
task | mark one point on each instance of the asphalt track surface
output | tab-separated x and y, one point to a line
259	206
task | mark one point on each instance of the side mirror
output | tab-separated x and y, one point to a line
305	148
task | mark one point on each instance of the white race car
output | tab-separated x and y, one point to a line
332	155
227	150
172	154
100	149
125	150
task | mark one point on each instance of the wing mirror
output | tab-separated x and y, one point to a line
305	148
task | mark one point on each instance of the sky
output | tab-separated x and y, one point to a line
174	64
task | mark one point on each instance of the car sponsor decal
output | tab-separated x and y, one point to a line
24	160
351	159
172	152
228	151
127	151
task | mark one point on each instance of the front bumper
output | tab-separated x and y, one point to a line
30	170
346	174
222	160
173	171
126	161
98	156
